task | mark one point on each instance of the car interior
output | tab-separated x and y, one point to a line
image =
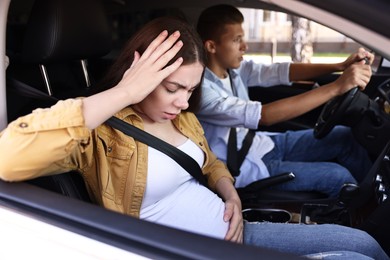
58	52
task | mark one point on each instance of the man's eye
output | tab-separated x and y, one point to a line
237	40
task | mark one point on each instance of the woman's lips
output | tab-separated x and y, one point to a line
170	116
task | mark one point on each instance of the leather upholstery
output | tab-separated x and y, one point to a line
66	29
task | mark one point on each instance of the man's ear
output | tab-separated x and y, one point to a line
210	46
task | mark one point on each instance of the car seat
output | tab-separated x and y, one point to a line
58	40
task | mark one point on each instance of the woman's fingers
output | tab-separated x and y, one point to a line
161	45
154	44
158	54
171	68
136	58
168	55
234	216
146	70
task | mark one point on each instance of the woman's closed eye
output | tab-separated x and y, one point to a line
170	87
172	90
174	87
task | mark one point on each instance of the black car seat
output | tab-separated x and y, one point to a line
57	43
64	32
58	40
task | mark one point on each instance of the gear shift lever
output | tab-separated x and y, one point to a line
336	212
347	193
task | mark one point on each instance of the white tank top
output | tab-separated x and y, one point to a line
174	198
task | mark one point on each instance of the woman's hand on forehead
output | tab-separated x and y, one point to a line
147	71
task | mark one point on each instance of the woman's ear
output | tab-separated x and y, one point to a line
210	46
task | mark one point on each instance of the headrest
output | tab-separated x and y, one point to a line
63	30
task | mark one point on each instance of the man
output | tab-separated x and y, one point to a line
225	105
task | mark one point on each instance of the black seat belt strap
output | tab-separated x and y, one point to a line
236	158
246	144
231	159
183	159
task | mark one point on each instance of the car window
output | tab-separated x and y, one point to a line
274	36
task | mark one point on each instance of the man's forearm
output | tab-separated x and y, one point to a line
307	71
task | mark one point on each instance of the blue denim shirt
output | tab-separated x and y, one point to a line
220	110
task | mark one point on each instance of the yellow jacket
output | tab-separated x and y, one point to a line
113	165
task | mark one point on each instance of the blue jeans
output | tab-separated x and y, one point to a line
332	241
318	164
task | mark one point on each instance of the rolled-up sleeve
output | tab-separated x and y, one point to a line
264	75
42	142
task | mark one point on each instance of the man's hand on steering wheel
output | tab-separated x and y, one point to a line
355	76
361	54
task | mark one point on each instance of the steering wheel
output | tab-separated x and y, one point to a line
333	112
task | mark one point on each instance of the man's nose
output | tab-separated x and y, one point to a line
244	46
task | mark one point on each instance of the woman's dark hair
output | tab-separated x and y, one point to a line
191	52
212	21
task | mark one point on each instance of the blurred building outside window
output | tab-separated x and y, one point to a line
269	35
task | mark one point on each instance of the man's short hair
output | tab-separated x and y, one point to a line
212	21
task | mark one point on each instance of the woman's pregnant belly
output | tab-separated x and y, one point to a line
191	207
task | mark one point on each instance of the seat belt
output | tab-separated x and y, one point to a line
183	159
234	158
231	158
